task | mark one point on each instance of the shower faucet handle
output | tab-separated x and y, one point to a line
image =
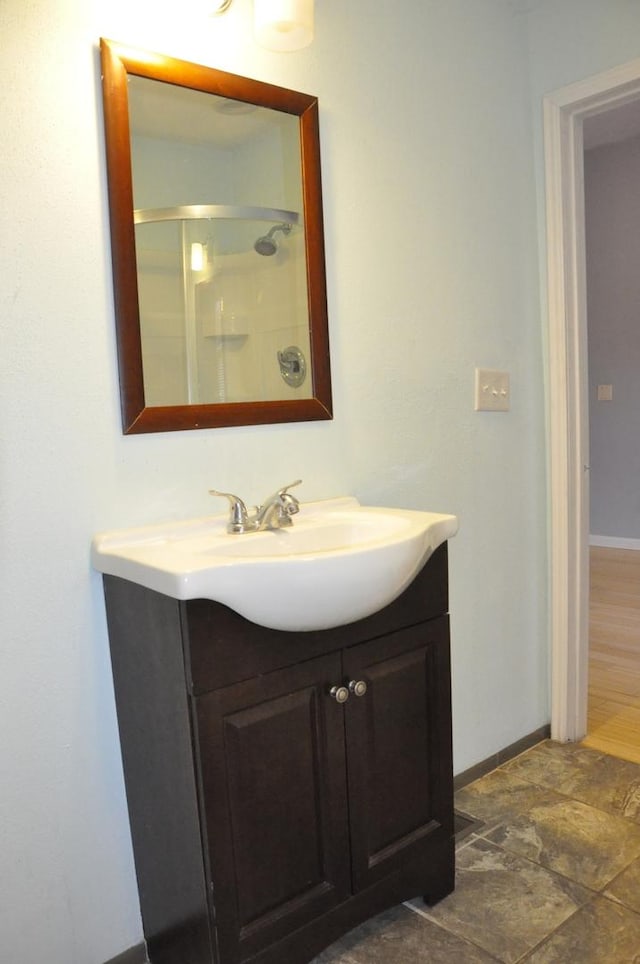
293	366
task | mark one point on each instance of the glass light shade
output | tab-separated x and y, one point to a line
283	24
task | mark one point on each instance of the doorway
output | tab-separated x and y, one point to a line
612	168
564	113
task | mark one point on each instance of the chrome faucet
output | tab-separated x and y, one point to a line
274	513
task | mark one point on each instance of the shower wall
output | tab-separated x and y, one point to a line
213	335
250	308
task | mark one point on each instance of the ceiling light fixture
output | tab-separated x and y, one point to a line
283	24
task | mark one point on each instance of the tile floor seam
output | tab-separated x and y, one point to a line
508	905
595	892
547	939
591	896
443	927
608	811
621	903
556	873
548	786
465	843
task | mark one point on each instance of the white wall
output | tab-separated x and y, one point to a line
430	229
612	214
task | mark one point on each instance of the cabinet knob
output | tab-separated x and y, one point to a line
339	693
358	687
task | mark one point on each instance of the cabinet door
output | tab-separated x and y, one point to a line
399	749
274	798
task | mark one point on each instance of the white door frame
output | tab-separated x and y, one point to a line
564	112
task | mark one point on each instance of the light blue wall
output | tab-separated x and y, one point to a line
570	40
430	225
573	39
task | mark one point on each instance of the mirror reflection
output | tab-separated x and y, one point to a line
217	193
217	244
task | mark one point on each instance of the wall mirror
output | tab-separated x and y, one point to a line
217	244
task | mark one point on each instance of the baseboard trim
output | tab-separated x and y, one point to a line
135	955
614	542
497	759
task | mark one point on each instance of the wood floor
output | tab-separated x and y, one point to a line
614	653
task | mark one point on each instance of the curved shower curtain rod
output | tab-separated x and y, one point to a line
196	212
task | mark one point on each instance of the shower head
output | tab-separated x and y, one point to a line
266	245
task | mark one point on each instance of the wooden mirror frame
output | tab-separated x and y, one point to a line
118	61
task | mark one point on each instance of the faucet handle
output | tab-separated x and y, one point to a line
286	500
290	486
288	505
238	515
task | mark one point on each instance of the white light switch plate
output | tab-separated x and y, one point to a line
493	393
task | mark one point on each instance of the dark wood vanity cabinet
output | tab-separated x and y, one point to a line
267	817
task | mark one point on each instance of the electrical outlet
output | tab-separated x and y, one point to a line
493	392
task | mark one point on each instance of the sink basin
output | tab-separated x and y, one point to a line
339	562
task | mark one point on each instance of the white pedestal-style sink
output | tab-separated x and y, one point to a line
339	562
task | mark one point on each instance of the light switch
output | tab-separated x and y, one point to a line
605	393
492	393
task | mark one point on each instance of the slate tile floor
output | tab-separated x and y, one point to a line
549	874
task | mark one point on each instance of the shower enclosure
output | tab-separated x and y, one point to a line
222	295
